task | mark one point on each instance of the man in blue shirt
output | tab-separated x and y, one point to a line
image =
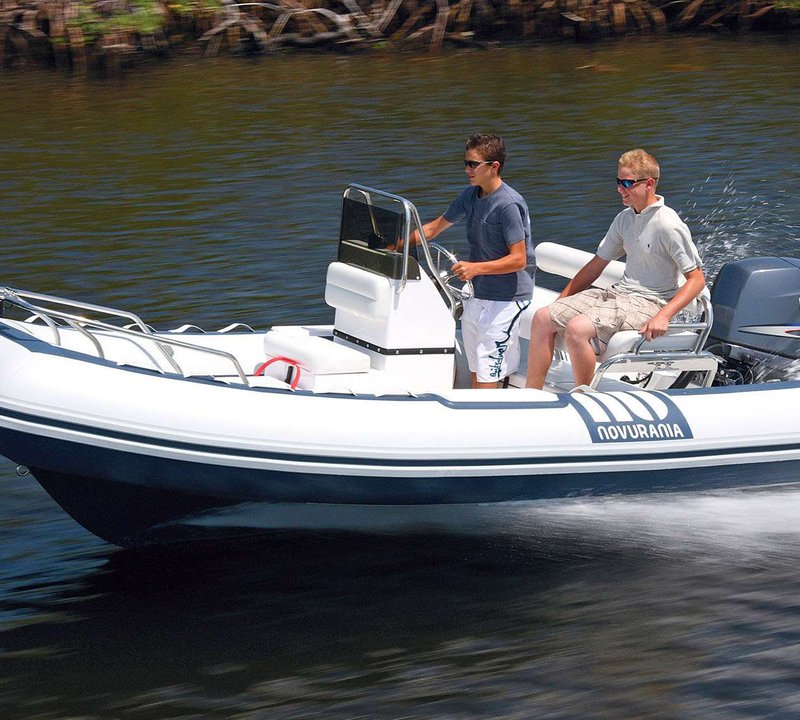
501	261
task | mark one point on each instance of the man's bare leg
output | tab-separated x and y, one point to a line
579	331
483	385
541	348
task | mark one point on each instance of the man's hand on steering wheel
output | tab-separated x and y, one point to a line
465	270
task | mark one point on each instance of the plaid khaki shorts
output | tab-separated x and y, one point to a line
610	311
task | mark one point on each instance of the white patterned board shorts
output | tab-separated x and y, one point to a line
490	330
609	310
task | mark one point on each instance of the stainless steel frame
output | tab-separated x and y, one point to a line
642	359
411	221
140	337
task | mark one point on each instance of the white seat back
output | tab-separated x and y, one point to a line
358	292
566	261
381	312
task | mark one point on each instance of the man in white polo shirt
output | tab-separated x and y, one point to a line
663	274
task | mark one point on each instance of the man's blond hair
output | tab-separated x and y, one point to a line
643	164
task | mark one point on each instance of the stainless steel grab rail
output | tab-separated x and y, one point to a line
84	325
707	311
640	353
411	219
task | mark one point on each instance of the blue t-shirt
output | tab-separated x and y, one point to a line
494	223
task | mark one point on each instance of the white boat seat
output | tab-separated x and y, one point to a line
680	349
675	339
565	261
315	354
625	341
357	291
402	325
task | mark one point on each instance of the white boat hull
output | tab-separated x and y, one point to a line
147	457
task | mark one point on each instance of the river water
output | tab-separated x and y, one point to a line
208	192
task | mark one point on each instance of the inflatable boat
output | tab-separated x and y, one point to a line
369	424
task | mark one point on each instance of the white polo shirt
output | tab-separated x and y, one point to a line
658	248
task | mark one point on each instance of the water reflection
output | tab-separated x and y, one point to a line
642	608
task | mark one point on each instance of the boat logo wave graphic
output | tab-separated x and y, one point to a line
631	417
780	331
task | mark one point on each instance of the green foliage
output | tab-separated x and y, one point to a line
143	17
193	7
88	21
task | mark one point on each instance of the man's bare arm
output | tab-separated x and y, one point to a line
658	324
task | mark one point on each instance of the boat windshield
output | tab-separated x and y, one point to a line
371	233
376	227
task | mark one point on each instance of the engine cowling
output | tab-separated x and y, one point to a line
757	313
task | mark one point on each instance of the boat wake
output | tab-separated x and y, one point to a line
739	523
736	522
739	225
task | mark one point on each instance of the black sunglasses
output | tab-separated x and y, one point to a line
475	163
629	183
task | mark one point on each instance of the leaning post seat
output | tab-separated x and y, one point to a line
664	358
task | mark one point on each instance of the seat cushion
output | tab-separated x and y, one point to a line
357	291
625	341
316	355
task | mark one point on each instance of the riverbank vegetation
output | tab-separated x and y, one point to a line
109	35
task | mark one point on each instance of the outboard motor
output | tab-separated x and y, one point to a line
756	330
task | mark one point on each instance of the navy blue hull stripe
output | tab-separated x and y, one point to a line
146	440
145	499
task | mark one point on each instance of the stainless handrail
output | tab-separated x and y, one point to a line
79	323
410	216
655	355
665	358
76	304
705	326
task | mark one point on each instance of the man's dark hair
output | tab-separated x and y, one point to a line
489	147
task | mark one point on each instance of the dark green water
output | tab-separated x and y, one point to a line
208	192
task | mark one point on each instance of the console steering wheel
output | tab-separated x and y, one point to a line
461	289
